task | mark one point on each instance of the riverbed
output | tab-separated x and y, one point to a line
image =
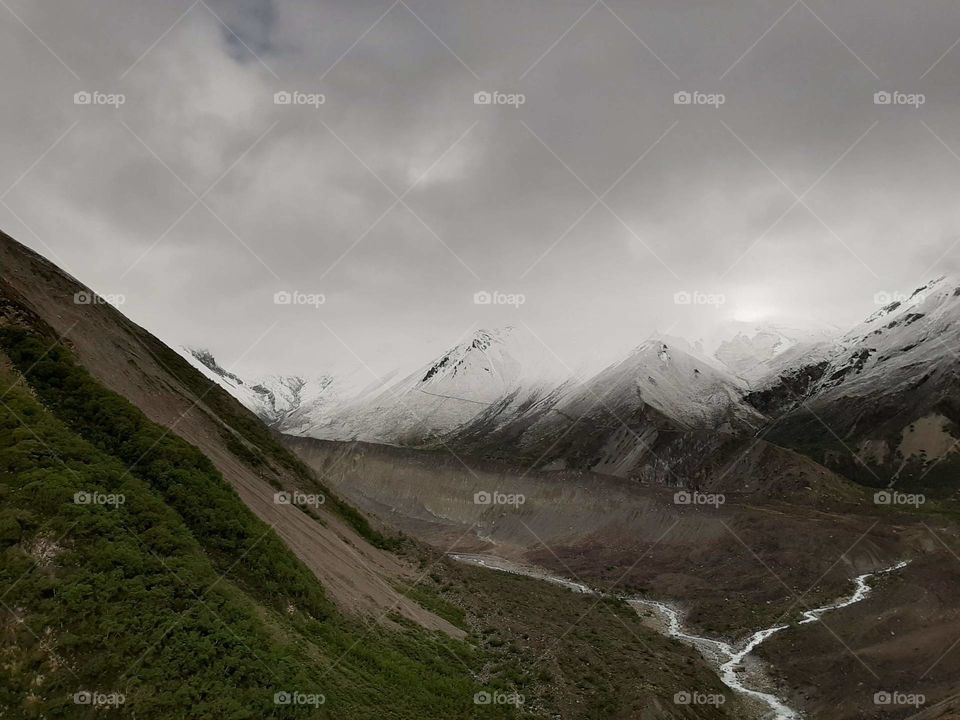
733	661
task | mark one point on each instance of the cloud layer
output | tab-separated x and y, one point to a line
600	197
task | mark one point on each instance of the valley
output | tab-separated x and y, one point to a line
732	663
207	590
749	563
673	528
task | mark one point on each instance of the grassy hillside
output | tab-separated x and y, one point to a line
130	567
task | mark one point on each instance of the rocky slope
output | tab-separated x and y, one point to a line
884	409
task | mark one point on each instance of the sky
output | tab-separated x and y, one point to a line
642	167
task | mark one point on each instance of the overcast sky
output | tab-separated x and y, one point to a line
398	198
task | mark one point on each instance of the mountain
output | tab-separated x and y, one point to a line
885	407
273	398
760	351
614	422
501	393
437	398
442	396
670	377
161	555
877	404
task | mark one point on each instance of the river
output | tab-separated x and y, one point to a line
726	658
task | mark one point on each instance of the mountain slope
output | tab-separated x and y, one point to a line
134	364
133	571
619	421
147	562
884	409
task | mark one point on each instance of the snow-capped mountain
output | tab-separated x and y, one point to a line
610	423
759	351
272	397
668	375
441	396
886	406
879	402
448	392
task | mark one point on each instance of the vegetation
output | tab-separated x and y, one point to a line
427	597
130	567
560	649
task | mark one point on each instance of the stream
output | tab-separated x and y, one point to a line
727	658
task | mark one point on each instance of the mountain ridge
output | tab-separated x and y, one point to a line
500	389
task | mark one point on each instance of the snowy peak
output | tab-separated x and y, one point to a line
274	398
488	368
485	351
681	385
287	394
492	362
759	352
936	298
744	352
209	362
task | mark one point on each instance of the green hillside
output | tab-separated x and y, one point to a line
158	583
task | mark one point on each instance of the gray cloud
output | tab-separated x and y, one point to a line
492	197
